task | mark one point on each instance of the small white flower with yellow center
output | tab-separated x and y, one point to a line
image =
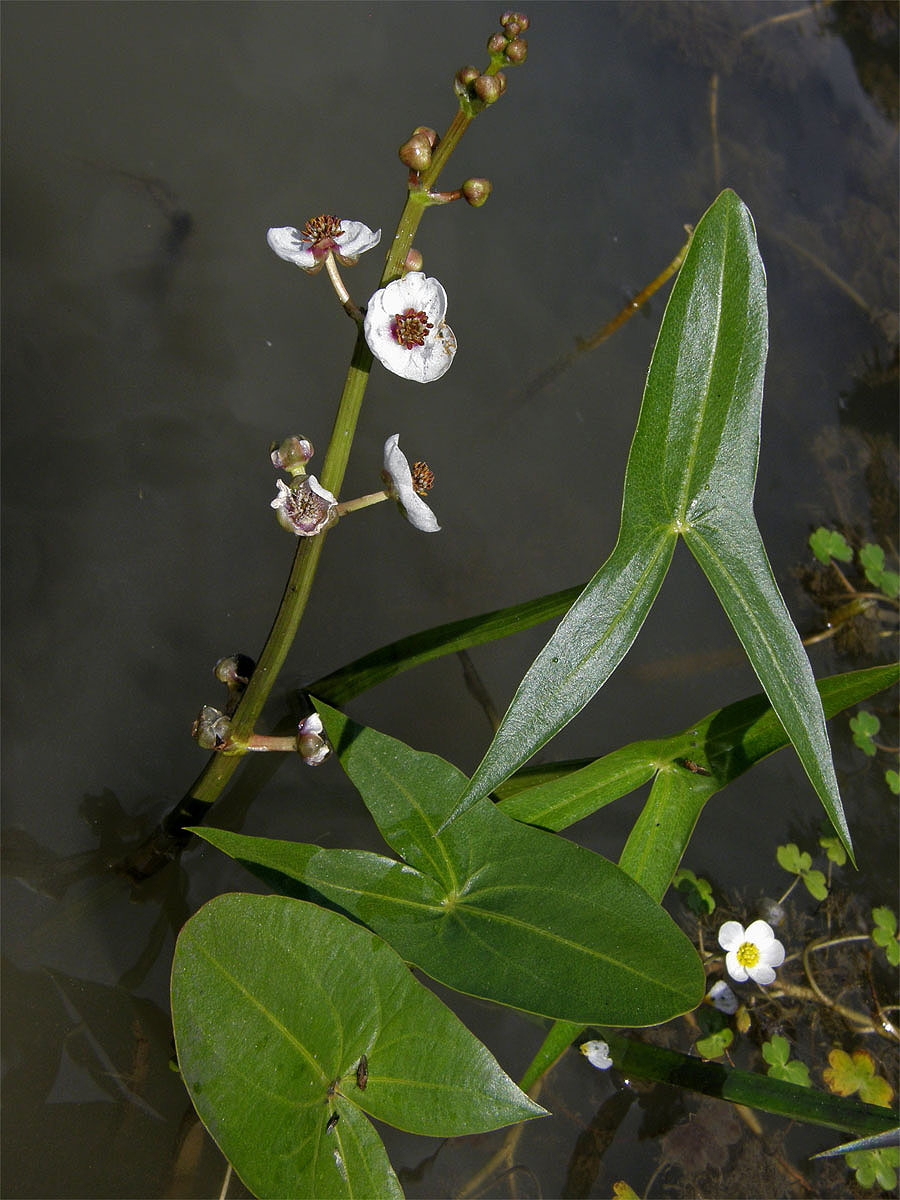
597	1054
310	247
408	485
405	328
751	953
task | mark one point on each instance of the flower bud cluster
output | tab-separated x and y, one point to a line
509	46
476	90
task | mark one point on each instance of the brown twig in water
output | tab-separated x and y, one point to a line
794	15
590	343
714	128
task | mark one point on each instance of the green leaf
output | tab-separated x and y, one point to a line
814	882
641	1060
691	471
697	892
390	660
728	741
872	1165
715	1045
777	1053
834	850
864	726
790	859
892	778
827	544
274	1004
491	907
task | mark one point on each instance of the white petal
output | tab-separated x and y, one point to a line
759	932
315	486
734	968
396	465
771	953
731	935
723	998
286	243
356	238
761	974
597	1054
311	724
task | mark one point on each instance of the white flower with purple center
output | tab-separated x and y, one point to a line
308	248
311	742
597	1054
751	953
407	485
304	507
405	328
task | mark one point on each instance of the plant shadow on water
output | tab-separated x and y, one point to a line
152	352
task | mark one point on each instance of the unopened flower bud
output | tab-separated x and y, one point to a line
514	23
416	152
501	80
489	88
497	43
211	729
476	191
517	50
234	671
464	79
413	260
312	746
292	455
430	133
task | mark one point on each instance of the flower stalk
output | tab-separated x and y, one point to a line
169	837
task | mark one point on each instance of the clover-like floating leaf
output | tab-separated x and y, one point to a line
847	1074
275	1004
491	907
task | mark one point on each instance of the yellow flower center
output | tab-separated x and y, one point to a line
748	954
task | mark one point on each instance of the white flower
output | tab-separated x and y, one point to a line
407	486
304	507
320	237
405	328
723	998
311	743
752	952
597	1054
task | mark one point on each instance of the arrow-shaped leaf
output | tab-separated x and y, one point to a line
691	472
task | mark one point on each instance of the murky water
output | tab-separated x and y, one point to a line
153	347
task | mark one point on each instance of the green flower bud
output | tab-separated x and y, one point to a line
489	88
292	455
464	79
476	191
211	729
416	152
517	50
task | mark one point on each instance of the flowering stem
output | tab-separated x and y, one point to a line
158	849
261	741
